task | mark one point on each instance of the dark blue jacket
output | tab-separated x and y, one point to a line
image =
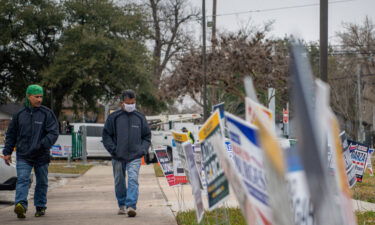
126	136
32	131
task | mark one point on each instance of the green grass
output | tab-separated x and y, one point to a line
189	217
235	217
366	218
158	170
77	169
365	191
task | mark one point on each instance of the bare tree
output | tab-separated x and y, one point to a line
168	31
356	54
236	55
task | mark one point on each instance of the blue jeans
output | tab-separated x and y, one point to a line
127	197
23	183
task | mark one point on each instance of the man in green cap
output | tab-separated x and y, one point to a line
33	130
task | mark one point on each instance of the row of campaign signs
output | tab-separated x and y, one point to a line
230	153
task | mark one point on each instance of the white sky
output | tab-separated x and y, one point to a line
301	21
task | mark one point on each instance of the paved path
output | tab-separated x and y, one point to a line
90	200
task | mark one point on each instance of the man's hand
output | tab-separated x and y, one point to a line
7	159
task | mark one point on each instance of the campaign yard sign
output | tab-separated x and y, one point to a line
56	150
198	164
251	106
228	147
194	179
179	158
369	164
298	190
248	161
166	164
349	165
210	135
274	164
60	151
359	153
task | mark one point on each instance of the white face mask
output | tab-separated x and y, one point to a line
129	107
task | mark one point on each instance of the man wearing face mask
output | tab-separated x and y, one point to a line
127	137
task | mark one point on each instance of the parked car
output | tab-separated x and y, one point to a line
8	175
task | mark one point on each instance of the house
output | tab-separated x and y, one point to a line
6	113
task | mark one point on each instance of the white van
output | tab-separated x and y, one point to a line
92	143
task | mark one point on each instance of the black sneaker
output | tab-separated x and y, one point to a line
40	211
20	210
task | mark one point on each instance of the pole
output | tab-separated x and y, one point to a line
84	144
205	113
359	101
213	37
324	40
271	102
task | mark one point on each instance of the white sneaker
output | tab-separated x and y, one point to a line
131	212
121	211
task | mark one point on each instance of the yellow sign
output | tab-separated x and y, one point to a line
271	146
209	126
341	171
180	137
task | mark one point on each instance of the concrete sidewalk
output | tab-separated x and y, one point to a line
90	200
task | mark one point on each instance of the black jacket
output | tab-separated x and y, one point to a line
126	136
32	131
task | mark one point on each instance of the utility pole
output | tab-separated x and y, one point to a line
213	37
205	113
324	40
359	102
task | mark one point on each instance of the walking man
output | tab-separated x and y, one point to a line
127	137
33	130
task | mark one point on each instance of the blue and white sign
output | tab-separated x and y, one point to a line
228	147
248	161
298	190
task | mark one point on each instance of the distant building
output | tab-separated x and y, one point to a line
6	113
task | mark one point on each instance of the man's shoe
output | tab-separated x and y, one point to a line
20	210
40	211
121	211
131	212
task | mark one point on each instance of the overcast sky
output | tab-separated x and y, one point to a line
302	20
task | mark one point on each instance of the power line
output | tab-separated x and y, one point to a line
258	10
352	77
280	8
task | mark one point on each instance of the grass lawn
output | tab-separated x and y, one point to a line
366	218
158	170
235	217
189	217
365	191
60	168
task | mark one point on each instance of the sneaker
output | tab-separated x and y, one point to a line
131	212
20	210
121	211
40	211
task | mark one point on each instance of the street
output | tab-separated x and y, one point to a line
90	199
